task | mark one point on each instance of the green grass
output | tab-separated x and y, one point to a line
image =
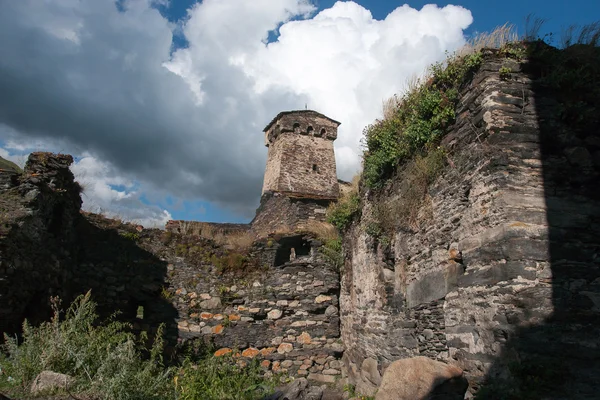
134	237
414	179
106	361
333	253
109	362
223	380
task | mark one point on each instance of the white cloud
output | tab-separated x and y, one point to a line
17	159
106	191
346	62
103	80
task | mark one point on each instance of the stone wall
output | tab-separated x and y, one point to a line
205	229
280	213
500	276
286	316
39	209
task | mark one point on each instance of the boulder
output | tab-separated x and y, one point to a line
421	378
47	381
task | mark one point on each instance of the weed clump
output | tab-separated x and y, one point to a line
341	213
223	378
416	176
107	361
332	251
420	119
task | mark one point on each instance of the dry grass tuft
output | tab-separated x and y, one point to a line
495	39
588	34
322	230
410	207
389	106
228	237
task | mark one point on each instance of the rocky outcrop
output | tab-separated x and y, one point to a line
40	208
500	274
49	248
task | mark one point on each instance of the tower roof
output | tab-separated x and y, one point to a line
311	112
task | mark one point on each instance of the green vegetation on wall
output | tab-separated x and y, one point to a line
420	119
405	211
332	251
341	214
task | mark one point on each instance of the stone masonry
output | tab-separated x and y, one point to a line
285	316
300	177
501	277
265	304
301	160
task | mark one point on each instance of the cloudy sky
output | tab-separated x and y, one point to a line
163	102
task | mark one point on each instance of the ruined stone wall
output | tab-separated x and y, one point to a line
262	302
500	276
37	237
210	230
280	213
286	316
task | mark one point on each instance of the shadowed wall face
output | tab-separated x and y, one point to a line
301	159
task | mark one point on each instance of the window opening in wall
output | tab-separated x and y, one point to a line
292	247
310	130
315	168
140	312
296	127
323	132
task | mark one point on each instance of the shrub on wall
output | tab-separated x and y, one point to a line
333	253
406	210
341	213
420	118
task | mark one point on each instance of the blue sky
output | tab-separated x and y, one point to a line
487	14
163	107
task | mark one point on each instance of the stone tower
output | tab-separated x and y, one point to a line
301	160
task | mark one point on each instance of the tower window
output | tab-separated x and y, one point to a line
296	127
315	168
310	130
